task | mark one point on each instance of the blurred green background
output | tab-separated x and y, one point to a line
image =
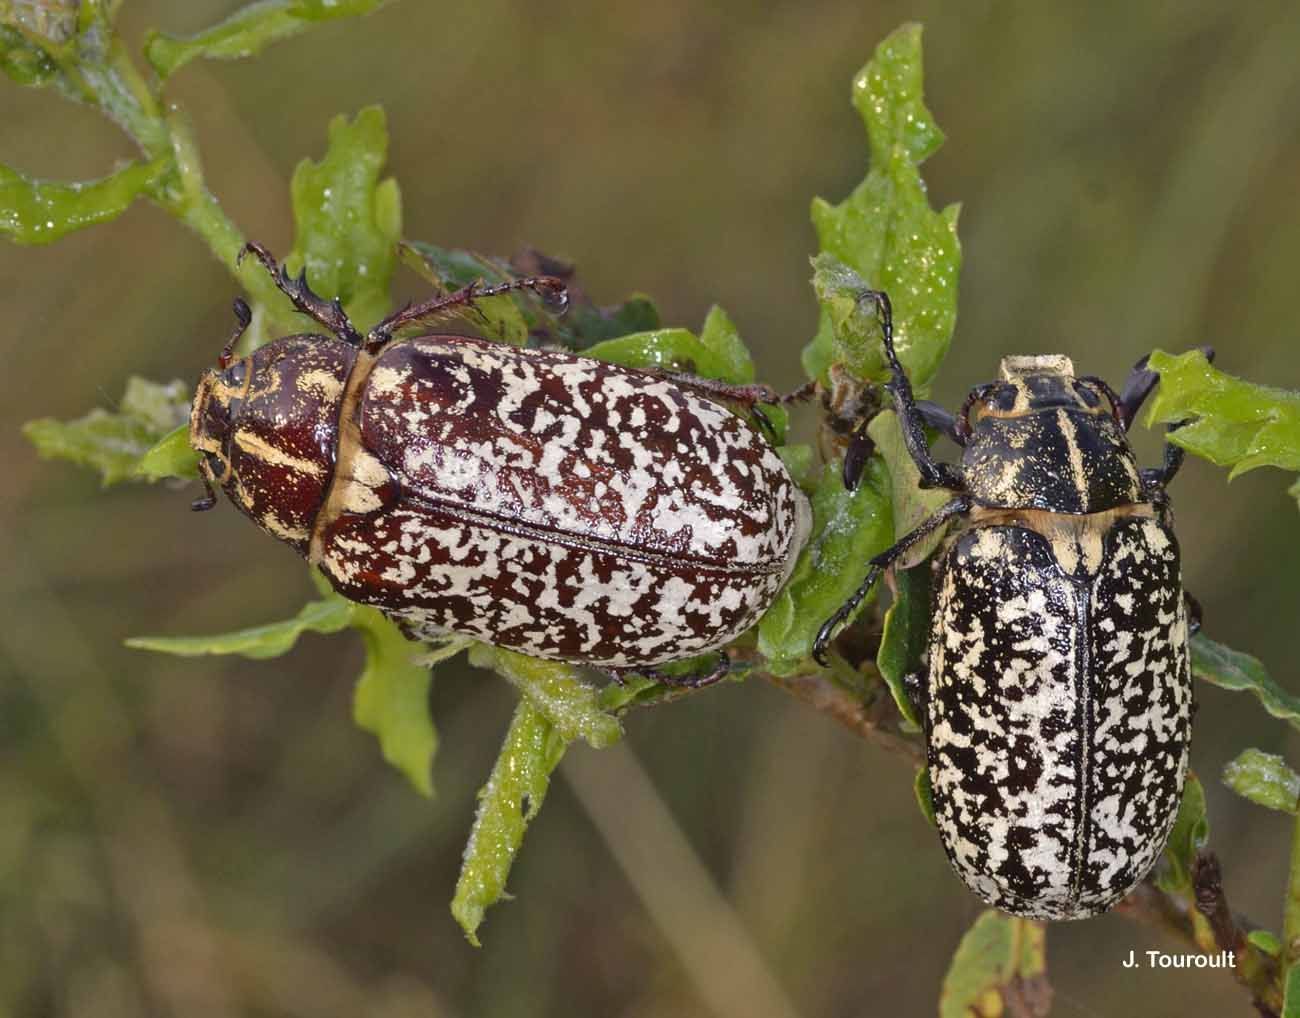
216	838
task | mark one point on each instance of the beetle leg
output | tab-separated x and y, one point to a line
933	473
956	507
746	395
719	672
861	446
1154	479
244	317
1194	613
547	287
329	313
918	694
209	497
941	419
1137	387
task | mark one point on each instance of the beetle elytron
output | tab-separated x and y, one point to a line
1057	700
534	499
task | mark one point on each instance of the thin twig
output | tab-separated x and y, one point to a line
1255	970
871	720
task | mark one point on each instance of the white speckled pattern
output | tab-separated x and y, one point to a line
559	505
1058	714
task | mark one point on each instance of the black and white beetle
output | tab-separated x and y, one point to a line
1057	695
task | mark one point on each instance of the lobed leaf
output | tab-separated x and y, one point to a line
1232	423
719	336
673	350
257	642
1264	779
576	327
1190	832
348	221
508	802
554	689
1000	967
391	699
885	231
849	528
171	456
41	211
500	318
248	31
115	443
1231	669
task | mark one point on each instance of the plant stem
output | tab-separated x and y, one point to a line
96	69
1291	909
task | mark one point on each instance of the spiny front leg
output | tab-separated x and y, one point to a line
329	313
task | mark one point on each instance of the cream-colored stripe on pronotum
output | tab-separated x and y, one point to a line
1076	455
261	448
345	454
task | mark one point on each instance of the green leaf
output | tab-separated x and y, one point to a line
1000	967
248	30
50	21
849	528
1234	670
912	504
1265	941
501	318
576	328
1291	999
719	336
391	700
348	221
258	642
717	353
1264	779
1233	423
800	461
392	694
554	689
23	61
675	350
171	456
886	232
114	443
507	803
1190	832
902	644
924	795
41	211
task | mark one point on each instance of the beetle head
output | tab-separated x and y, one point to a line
217	401
1044	383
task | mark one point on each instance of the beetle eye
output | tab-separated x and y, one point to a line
233	376
1087	393
1004	397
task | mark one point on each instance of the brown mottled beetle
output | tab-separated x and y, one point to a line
534	499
